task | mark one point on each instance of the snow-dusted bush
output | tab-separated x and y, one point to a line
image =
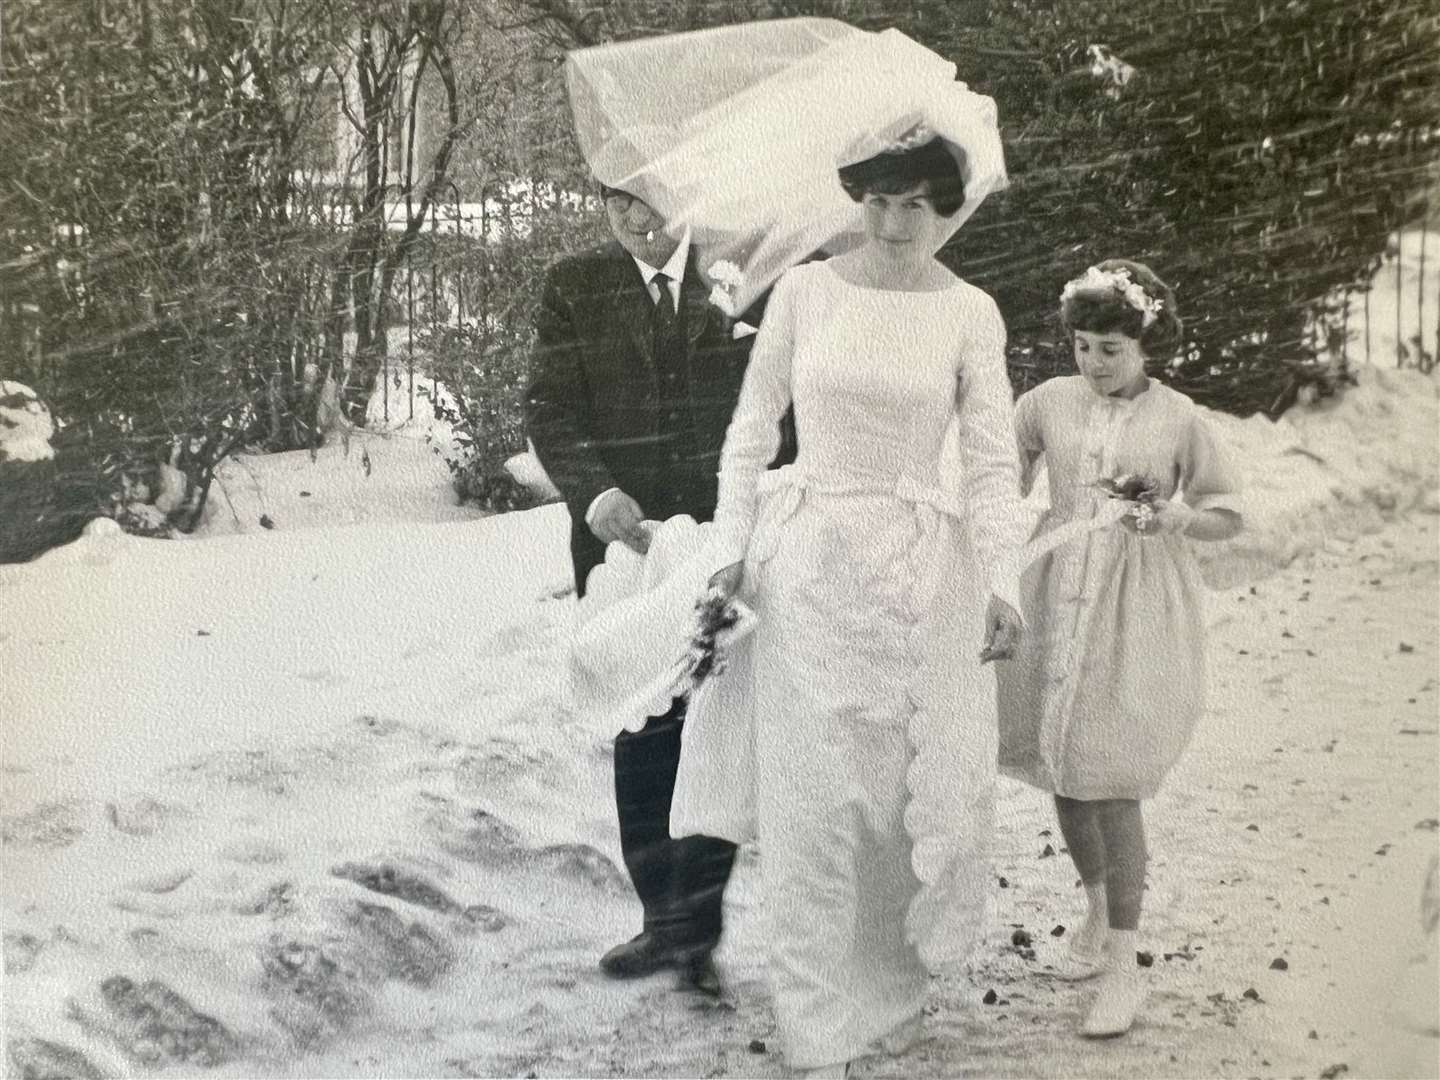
482	410
32	516
26	426
481	355
27	471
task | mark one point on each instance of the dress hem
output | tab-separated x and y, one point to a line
1027	776
825	1051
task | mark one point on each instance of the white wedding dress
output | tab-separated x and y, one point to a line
855	730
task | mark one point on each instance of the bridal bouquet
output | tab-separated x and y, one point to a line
720	620
1134	488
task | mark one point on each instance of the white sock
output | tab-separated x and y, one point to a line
1097	918
1091	935
1120	948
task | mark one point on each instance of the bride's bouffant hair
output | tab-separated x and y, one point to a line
897	171
1109	312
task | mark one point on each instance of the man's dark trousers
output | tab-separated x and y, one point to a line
681	883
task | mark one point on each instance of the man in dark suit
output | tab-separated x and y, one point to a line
636	375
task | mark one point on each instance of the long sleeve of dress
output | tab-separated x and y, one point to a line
556	407
990	479
754	434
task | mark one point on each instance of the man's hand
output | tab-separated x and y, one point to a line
619	517
1002	631
728	579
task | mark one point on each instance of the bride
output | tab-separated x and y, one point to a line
854	730
871	751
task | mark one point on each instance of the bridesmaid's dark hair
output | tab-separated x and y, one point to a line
896	171
1109	312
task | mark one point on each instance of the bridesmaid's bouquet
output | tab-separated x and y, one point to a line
1135	488
720	620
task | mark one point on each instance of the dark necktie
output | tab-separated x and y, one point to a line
669	352
664	307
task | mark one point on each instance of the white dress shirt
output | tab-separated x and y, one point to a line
674	269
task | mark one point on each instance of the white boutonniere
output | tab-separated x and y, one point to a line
1109	69
726	278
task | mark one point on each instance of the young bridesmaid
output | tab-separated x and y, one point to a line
1110	680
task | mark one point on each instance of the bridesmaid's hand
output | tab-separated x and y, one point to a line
1172	517
1164	517
727	580
1002	631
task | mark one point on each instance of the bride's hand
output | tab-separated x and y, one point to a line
728	579
1002	631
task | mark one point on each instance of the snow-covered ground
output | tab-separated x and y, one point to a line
390	471
309	800
391	477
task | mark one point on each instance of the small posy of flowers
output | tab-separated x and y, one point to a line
726	278
1095	280
715	613
1134	488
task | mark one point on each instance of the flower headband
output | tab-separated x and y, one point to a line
1120	283
913	139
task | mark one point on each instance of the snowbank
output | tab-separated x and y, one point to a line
181	648
263	793
1335	469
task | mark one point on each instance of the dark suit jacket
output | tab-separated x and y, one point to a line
602	414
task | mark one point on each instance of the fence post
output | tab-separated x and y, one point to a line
410	326
385	386
1426	365
460	262
1399	294
434	229
1420	303
1368	285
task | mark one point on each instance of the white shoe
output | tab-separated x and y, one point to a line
899	1039
1121	992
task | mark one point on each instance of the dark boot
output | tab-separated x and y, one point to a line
644	954
698	974
645	764
702	870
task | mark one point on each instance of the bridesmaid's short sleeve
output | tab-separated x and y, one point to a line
1207	478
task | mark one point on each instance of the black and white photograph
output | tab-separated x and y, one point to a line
720	538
